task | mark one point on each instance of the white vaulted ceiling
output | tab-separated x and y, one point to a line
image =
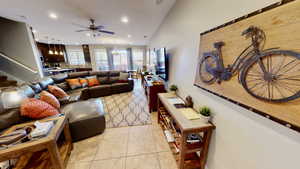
144	17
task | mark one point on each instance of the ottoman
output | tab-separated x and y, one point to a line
86	118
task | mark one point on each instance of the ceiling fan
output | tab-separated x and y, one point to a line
96	30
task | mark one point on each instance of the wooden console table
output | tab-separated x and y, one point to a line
35	154
173	120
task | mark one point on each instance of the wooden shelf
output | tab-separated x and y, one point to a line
185	154
41	159
193	148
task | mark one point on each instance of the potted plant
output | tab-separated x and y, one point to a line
205	113
173	89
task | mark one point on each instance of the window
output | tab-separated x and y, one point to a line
137	58
76	57
153	58
120	60
101	59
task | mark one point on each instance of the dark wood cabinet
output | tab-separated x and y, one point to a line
152	88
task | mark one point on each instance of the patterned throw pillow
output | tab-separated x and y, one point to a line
57	92
63	85
92	81
83	82
37	109
123	76
49	98
74	83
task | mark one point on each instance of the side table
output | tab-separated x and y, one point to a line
44	148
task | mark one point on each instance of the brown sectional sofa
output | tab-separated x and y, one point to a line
84	108
108	84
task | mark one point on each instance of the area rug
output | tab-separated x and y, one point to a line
127	109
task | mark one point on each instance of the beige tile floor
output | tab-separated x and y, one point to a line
137	147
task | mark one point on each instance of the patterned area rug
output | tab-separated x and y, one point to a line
127	109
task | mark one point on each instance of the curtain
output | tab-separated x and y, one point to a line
110	58
130	59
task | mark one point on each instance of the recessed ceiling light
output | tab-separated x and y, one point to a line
34	31
53	15
129	36
88	34
124	19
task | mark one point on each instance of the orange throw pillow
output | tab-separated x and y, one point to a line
74	83
49	98
57	92
93	81
37	109
83	82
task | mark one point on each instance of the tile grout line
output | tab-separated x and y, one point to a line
125	165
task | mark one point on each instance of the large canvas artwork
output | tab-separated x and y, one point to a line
255	62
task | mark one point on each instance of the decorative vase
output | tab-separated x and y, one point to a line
205	119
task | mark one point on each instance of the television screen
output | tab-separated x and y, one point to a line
161	66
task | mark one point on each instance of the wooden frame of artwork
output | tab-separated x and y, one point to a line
281	23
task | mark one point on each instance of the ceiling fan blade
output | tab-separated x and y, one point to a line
78	25
82	30
99	27
108	32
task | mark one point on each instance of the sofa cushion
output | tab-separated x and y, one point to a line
92	81
78	74
103	80
59	77
37	109
27	90
99	73
50	99
123	76
114	76
36	87
114	73
120	87
74	83
99	91
76	92
9	117
45	82
64	86
83	82
57	92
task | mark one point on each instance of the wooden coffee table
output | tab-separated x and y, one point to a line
35	154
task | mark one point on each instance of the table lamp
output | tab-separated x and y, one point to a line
12	97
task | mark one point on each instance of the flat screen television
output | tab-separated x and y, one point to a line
162	65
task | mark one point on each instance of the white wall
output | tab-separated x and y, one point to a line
16	41
243	139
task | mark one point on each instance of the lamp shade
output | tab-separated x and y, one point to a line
12	97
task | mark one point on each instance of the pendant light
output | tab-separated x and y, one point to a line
50	52
55	51
60	49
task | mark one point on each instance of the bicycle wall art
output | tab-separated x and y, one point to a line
255	62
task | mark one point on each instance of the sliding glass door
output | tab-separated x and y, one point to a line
137	59
120	59
101	59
